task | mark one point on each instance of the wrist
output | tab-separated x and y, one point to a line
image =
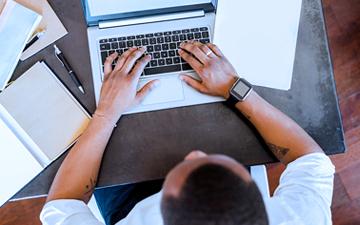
226	94
106	118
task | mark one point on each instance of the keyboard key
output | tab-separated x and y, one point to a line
197	35
137	43
205	34
167	39
161	62
164	54
112	39
195	30
111	52
169	61
104	55
120	51
182	37
140	36
205	41
164	69
144	42
190	36
105	47
186	66
129	44
115	45
172	53
158	34
122	44
160	40
176	60
152	41
149	35
204	29
150	48
157	55
131	37
176	32
165	47
167	33
172	45
157	48
153	63
175	38
102	41
122	39
185	31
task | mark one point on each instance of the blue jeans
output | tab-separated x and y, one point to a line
116	202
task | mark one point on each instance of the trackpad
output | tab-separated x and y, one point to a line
170	89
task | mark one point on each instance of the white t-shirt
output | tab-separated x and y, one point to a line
303	197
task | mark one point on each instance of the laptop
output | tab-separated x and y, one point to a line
160	26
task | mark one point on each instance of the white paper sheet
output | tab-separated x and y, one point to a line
17	23
259	38
17	165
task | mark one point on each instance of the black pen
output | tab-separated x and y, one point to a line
72	74
33	39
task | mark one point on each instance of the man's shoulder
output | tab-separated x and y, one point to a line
305	191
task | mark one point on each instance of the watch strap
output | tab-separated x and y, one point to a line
231	101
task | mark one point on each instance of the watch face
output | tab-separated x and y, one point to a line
241	89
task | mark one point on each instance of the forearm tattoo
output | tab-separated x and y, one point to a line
278	151
89	188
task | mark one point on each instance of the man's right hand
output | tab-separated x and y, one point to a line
216	73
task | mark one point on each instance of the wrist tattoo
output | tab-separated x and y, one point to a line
278	150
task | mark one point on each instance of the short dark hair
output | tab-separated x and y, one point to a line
214	195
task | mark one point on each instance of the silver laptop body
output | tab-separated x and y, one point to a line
172	92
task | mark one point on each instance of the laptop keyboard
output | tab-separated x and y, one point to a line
162	46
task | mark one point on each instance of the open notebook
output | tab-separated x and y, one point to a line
39	120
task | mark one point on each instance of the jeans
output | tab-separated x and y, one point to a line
116	202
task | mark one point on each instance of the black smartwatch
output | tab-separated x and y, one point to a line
239	91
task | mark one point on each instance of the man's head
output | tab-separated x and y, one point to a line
215	189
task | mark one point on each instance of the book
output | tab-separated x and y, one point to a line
43	119
17	24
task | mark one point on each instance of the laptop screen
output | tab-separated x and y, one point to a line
100	10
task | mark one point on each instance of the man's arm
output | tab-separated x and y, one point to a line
285	138
77	175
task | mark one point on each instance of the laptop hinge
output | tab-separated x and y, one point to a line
151	19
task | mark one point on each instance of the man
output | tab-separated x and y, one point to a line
203	189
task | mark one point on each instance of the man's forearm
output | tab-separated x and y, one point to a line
77	176
284	137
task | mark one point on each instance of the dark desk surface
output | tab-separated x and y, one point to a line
146	146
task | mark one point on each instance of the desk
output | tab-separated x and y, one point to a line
146	146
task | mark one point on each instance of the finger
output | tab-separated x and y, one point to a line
194	63
140	66
197	85
195	50
215	49
108	63
131	60
121	61
145	90
205	49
